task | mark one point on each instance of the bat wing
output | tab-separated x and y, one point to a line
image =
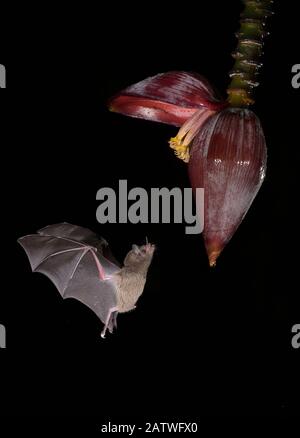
77	269
81	234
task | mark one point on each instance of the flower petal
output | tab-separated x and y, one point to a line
170	98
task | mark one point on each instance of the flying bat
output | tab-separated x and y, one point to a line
81	266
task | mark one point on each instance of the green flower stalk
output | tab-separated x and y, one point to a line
248	52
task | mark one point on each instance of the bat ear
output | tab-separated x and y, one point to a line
135	249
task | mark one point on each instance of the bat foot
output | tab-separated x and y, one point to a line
107	325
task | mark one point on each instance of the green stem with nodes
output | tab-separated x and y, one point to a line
248	52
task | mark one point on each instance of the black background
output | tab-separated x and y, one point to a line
202	341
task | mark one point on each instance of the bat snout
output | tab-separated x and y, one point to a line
149	247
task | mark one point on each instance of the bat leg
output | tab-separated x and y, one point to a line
113	322
111	310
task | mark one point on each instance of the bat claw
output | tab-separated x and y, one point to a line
102	335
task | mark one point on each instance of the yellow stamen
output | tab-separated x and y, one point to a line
181	149
183	140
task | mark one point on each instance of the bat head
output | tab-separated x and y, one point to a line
140	256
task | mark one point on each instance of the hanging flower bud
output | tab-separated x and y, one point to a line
228	159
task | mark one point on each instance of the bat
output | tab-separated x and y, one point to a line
81	266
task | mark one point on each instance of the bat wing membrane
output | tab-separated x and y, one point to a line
73	266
